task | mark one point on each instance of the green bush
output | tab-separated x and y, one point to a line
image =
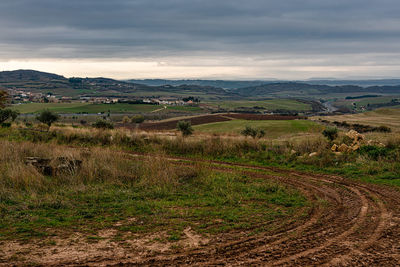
103	124
374	152
137	119
331	133
185	127
253	132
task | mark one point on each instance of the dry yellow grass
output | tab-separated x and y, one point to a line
379	117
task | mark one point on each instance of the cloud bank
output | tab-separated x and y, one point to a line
202	38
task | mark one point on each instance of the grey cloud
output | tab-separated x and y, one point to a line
134	28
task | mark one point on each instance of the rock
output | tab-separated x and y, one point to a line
343	148
334	148
313	154
293	152
355	147
355	135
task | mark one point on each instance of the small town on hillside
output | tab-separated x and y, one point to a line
22	96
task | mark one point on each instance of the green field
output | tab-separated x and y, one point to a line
364	101
273	128
85	108
271	104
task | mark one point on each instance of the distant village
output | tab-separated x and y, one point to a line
23	96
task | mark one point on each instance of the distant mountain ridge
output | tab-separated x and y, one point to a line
48	82
314	89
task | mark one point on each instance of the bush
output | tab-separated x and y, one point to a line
102	124
331	133
374	152
185	127
138	119
6	125
249	131
383	129
126	119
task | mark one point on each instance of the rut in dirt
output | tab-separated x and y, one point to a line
351	223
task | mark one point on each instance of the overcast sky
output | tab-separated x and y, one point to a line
221	39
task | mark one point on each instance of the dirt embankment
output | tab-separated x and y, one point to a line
350	224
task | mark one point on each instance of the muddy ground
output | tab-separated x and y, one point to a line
350	224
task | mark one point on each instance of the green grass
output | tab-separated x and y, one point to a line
184	108
273	128
207	202
84	107
272	104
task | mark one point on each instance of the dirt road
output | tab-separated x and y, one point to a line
350	224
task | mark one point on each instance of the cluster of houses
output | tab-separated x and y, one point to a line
20	96
167	101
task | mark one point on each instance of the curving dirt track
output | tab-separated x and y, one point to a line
350	224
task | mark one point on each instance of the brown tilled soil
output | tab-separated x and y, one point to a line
171	124
350	224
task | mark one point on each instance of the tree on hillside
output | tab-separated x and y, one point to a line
3	98
6	113
185	127
47	117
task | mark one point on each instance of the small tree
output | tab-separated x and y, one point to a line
331	133
253	132
3	98
47	117
185	127
8	114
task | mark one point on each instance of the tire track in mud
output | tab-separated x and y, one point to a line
355	219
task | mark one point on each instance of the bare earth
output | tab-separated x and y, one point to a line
350	224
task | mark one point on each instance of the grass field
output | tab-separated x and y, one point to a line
273	128
364	101
111	188
385	116
272	104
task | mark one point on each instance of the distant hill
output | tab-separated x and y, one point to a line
36	81
29	75
213	83
242	84
312	89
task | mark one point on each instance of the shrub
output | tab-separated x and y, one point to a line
331	133
185	127
138	119
374	152
383	129
126	119
102	124
47	117
249	131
